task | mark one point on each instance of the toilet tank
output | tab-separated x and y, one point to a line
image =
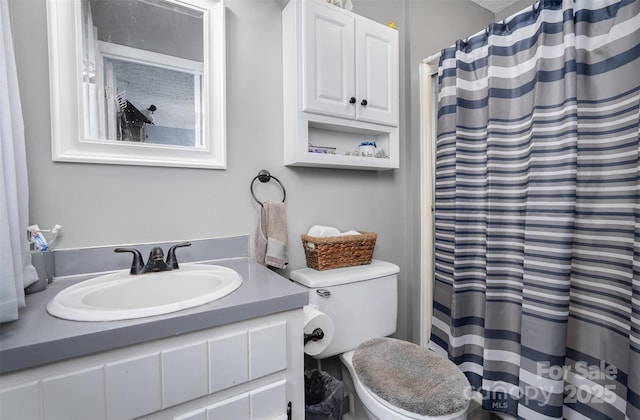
362	301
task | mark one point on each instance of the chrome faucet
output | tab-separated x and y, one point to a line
156	262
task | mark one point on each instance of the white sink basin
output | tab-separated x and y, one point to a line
121	295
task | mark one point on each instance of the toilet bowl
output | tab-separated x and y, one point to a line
362	302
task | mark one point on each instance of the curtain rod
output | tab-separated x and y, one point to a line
432	58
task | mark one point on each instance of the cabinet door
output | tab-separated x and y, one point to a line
377	73
328	61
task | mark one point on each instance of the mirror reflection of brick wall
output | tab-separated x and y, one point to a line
172	94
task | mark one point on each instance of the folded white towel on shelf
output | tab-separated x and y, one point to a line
271	235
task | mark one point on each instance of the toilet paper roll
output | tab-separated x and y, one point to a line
313	319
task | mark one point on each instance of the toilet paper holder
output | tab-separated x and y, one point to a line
315	335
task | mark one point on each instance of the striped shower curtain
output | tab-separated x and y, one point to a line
537	225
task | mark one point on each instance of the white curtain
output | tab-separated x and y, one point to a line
16	271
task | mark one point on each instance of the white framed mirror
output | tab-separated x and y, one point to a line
138	82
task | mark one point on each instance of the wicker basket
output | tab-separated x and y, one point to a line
324	253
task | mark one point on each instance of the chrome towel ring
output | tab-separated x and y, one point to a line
264	176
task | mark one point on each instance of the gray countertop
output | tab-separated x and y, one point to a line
38	338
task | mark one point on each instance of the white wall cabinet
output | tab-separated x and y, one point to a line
341	86
349	67
248	370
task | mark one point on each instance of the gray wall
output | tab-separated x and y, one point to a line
109	204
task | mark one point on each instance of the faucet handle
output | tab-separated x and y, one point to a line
137	265
172	262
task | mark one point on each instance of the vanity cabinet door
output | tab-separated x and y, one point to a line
328	61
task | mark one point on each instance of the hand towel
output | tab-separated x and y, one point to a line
271	235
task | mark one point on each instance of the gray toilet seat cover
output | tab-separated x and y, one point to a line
411	377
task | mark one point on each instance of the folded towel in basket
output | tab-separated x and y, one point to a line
271	235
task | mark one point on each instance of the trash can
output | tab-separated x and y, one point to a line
323	395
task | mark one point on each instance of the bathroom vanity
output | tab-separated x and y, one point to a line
238	357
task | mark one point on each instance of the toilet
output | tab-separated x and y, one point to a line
384	378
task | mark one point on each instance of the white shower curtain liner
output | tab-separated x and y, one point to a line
16	271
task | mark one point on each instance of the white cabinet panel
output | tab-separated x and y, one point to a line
20	402
84	388
133	387
377	73
194	415
269	401
228	361
233	408
268	349
328	73
184	374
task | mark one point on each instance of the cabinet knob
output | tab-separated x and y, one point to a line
352	100
364	102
